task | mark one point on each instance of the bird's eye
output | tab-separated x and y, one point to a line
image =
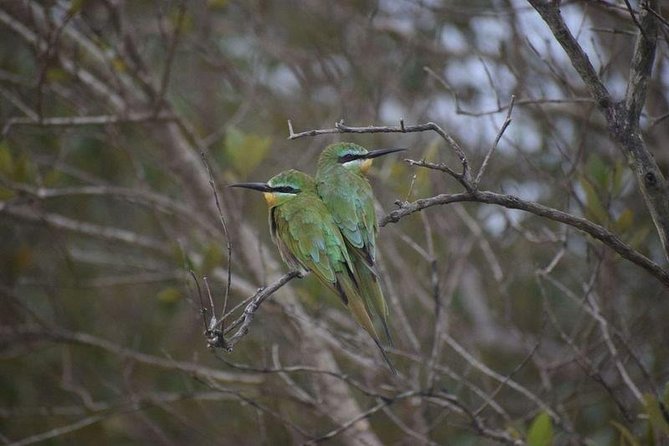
286	190
348	157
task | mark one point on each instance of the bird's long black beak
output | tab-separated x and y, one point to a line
381	152
262	187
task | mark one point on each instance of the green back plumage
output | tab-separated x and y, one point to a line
308	237
348	196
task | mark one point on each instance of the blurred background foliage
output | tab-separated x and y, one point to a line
102	333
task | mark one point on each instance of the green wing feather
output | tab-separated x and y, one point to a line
303	229
307	234
351	203
349	198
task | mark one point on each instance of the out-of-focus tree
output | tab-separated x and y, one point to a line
523	246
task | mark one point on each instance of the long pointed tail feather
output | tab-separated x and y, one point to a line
385	357
370	289
356	305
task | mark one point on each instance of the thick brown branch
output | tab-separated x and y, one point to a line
623	117
511	202
550	12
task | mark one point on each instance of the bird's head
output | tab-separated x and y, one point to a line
351	156
282	187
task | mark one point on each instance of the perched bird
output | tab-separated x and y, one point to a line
343	187
309	240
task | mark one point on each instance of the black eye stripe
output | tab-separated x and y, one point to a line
285	190
349	157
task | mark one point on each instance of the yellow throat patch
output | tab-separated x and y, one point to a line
270	198
366	164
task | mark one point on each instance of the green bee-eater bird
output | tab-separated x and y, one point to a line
343	187
309	240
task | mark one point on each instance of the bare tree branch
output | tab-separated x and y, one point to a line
501	107
171	51
550	12
89	229
623	117
60	431
505	124
366	414
72	121
508	201
216	338
511	202
55	334
401	128
642	64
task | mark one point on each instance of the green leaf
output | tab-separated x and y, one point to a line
624	221
56	75
245	151
639	236
655	414
24	171
6	160
76	6
211	259
52	178
617	178
119	65
218	4
598	171
626	437
6	194
593	205
540	432
169	295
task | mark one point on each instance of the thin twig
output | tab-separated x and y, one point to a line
89	229
443	168
295	369
216	337
604	328
171	52
366	414
488	155
228	242
203	310
634	19
658	16
60	431
55	334
507	380
501	107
